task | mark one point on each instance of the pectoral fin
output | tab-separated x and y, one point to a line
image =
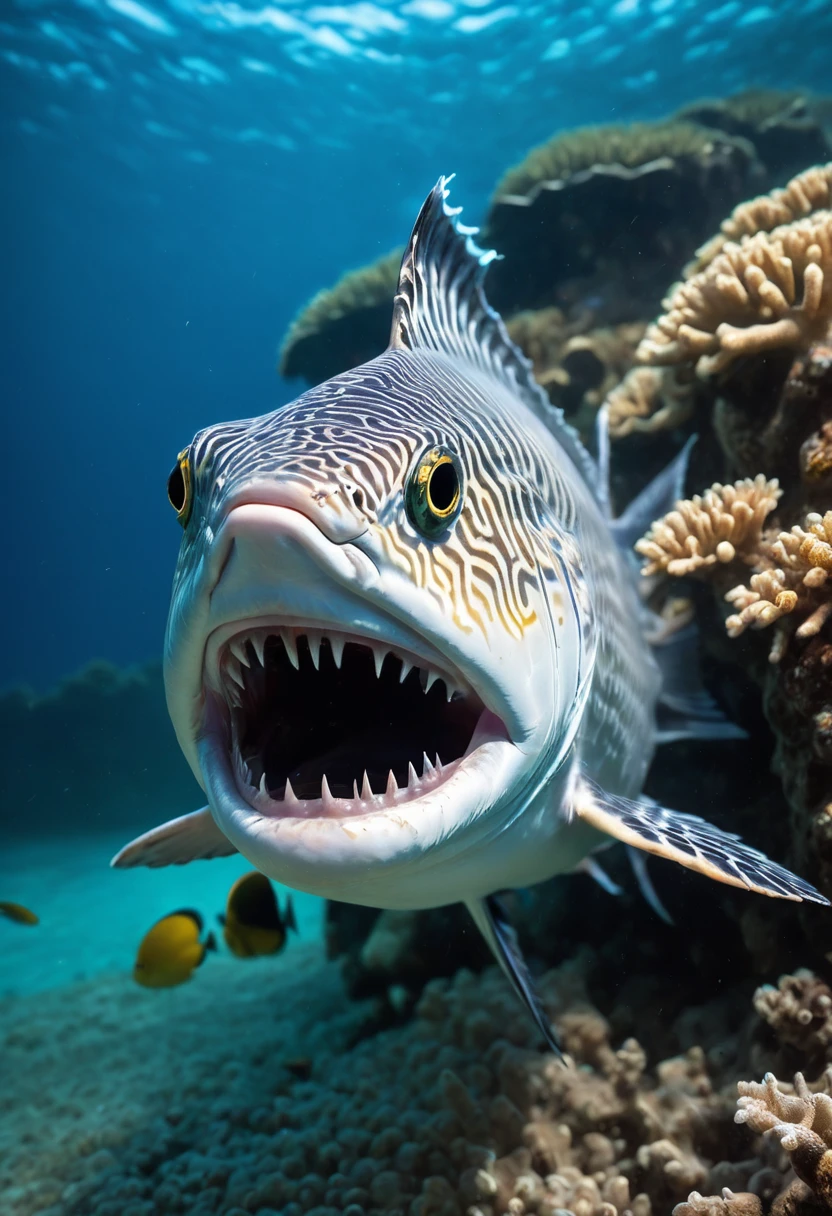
491	920
189	838
689	840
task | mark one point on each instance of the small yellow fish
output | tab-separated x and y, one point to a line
17	913
170	952
253	924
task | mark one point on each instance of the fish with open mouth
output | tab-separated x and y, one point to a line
406	657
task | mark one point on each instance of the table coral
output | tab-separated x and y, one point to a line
802	1122
727	1204
769	291
720	526
343	325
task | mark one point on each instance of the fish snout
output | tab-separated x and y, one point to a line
336	507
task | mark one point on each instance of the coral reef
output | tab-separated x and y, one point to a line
649	399
722	525
579	365
97	775
806	193
784	127
802	1122
601	193
770	290
344	325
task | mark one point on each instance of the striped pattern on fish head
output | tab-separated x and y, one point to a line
379	639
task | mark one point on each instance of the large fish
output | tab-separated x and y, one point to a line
406	657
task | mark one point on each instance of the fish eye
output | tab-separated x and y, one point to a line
179	487
433	495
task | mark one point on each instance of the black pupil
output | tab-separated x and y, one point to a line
444	485
176	489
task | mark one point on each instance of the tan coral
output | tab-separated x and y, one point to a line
649	399
797	564
810	191
721	525
771	290
802	1122
726	1204
799	1011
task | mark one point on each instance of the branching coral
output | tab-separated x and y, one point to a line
802	1122
796	567
720	526
727	1204
770	290
799	1011
810	191
649	399
344	325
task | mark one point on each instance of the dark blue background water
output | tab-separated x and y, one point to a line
180	177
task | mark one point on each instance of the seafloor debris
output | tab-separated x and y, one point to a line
768	291
802	1122
344	325
720	526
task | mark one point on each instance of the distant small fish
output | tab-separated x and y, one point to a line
17	913
171	951
253	923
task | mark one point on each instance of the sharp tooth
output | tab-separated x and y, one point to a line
291	647
337	646
264	789
233	670
238	649
412	776
379	655
407	667
438	764
326	793
433	676
233	695
355	793
449	690
259	644
427	767
392	785
289	793
366	788
314	643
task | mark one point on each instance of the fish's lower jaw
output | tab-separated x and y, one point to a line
363	802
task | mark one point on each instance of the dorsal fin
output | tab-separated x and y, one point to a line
440	305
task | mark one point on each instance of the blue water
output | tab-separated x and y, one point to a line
180	177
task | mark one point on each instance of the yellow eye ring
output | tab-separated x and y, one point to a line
180	493
434	491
